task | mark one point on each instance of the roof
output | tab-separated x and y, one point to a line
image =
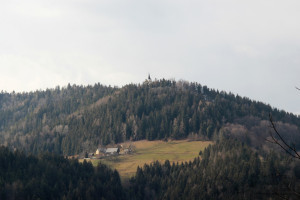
112	150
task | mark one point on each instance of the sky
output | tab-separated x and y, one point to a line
250	47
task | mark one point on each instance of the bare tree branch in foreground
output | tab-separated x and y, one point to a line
291	150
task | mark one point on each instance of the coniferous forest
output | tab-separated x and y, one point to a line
227	170
39	129
49	176
73	119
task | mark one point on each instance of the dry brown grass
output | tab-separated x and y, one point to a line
147	152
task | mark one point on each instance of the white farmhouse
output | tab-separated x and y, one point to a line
112	151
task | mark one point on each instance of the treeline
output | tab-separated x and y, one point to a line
164	109
227	170
76	119
35	121
49	176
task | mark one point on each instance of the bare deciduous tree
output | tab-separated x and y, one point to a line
276	138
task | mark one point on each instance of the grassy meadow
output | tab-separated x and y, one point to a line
150	151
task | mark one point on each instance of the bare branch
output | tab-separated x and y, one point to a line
281	142
270	141
281	196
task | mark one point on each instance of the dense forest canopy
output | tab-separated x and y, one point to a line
37	128
228	169
76	119
50	176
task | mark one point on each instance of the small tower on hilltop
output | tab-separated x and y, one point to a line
149	77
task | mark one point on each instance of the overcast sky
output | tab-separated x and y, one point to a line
249	47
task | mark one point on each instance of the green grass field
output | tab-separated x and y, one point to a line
150	151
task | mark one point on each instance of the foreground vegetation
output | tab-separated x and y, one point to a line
147	152
226	170
49	176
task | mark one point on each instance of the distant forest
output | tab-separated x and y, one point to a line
75	119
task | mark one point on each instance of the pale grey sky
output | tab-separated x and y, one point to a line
249	47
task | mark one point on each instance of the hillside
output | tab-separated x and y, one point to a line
147	152
75	119
50	176
225	170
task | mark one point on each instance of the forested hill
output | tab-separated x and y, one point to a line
226	170
74	119
50	176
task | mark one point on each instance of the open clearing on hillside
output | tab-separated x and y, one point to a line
150	151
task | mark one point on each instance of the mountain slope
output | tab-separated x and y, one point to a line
49	176
76	119
225	170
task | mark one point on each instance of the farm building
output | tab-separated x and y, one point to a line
100	150
112	151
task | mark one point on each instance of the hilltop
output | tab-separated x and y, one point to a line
74	119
